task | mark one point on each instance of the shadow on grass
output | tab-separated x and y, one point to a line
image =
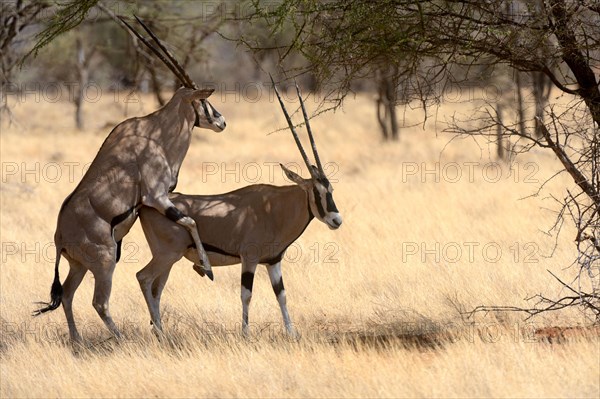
187	335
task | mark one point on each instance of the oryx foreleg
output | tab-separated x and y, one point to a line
248	270
277	283
164	205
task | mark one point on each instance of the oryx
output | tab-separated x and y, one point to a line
252	225
137	165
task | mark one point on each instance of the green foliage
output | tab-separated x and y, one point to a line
68	15
346	41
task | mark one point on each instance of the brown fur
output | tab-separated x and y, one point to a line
253	225
137	165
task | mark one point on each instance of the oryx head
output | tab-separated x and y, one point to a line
206	115
318	187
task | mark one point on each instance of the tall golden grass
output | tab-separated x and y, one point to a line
432	228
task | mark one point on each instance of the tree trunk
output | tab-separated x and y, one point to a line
499	141
577	61
386	104
392	95
382	116
542	86
520	103
83	73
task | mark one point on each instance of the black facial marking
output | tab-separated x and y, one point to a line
318	202
330	204
174	214
208	117
278	287
247	280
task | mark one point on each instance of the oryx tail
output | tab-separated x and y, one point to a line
56	291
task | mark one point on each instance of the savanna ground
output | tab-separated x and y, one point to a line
432	228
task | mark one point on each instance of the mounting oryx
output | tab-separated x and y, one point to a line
137	165
252	225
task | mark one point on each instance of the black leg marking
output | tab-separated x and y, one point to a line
118	250
174	214
278	287
248	280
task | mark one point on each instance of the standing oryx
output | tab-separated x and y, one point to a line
252	225
137	165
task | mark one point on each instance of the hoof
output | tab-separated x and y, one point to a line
210	275
199	270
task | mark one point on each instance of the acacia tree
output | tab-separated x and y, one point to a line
436	43
89	30
15	18
430	44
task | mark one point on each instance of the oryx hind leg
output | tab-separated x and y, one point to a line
276	278
248	270
76	273
103	269
152	279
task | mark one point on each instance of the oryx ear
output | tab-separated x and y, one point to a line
293	176
201	94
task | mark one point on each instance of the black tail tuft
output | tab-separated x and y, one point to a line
56	292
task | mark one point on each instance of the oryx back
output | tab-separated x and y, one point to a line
255	222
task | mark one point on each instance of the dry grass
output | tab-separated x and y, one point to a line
377	302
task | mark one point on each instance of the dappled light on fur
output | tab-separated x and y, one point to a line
378	301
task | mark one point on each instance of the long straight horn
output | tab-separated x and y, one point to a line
308	129
156	52
291	125
187	81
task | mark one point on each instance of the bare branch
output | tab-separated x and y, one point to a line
575	173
